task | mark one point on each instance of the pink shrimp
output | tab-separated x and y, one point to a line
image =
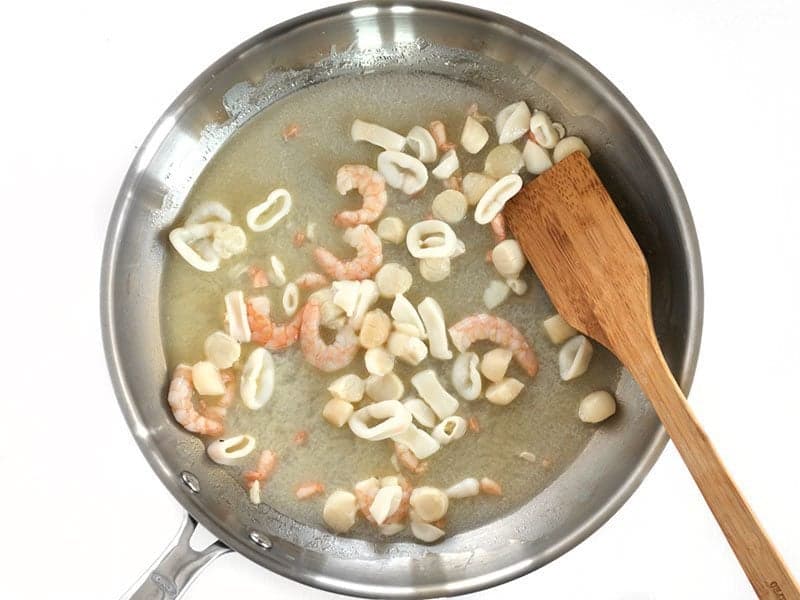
300	438
258	276
309	489
408	459
267	462
179	399
498	225
369	255
311	281
491	487
323	356
453	183
292	130
439	134
474	425
498	331
365	492
298	238
372	187
270	335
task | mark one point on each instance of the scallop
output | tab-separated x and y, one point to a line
537	160
375	329
596	407
207	379
503	160
513	122
393	279
434	269
450	206
473	136
475	185
349	388
447	166
386	387
392	229
508	259
339	512
558	330
378	361
222	350
504	392
429	503
337	412
569	145
494	364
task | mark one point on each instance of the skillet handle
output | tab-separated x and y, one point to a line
175	570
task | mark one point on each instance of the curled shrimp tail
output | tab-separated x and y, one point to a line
498	331
372	187
369	255
326	357
180	397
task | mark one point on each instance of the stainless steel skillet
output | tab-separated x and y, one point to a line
455	41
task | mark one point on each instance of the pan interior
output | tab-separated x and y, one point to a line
475	51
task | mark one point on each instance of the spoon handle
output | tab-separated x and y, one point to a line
760	560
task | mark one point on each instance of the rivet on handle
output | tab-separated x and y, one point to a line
260	540
190	480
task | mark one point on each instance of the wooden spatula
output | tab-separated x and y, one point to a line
597	278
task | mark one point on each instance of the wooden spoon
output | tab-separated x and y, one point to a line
597	278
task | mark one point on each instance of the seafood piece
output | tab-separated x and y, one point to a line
278	271
394	419
464	489
258	379
349	388
403	311
574	357
417	442
560	129
498	331
372	187
375	329
369	255
503	392
402	171
311	231
258	276
339	512
465	377
558	330
495	198
474	136
503	160
449	429
537	160
498	226
494	364
367	296
447	166
291	131
429	503
378	361
361	131
386	502
421	412
208	211
433	318
495	294
298	239
181	239
518	286
542	130
569	145
207	379
449	206
512	122
475	186
473	424
326	357
308	490
405	457
300	438
291	299
228	451
439	135
430	390
387	387
425	532
452	183
228	240
491	487
431	239
265	215
392	229
179	399
337	412
365	492
422	144
434	269
597	407
236	316
254	492
393	529
409	349
508	259
393	279
269	334
311	281
528	456
221	349
345	295
267	461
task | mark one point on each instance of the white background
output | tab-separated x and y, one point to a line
82	82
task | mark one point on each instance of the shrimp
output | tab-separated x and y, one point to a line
474	425
300	438
290	131
453	183
325	357
179	399
311	281
498	225
219	410
258	276
309	489
372	187
298	238
270	335
439	134
365	492
408	459
402	509
369	255
264	469
498	331
491	487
